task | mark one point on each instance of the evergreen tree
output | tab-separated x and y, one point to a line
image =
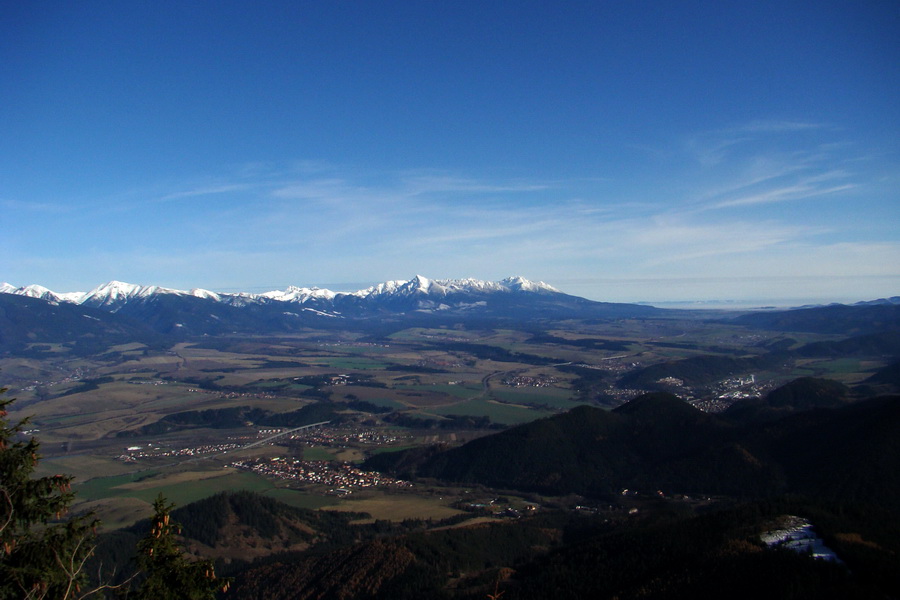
170	575
41	557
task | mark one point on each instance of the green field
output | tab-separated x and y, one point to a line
841	366
317	453
395	506
350	364
458	391
280	385
298	498
82	466
386	449
554	397
180	492
506	414
388	402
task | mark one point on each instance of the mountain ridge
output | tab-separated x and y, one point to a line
156	313
657	441
114	291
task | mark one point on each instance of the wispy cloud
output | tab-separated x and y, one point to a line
799	191
422	217
38	207
729	204
434	184
771	162
777	126
713	147
206	191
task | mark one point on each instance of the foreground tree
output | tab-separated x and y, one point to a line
41	557
170	575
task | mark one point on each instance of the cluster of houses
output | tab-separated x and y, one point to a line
133	453
529	381
77	375
342	438
341	476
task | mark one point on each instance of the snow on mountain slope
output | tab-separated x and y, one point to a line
71	297
114	294
299	295
386	288
198	311
38	291
200	293
443	287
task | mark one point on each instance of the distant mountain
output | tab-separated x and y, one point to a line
891	300
29	323
884	343
859	319
198	312
451	296
707	369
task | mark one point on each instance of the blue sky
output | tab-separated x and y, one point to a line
622	151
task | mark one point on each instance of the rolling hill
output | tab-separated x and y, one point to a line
658	442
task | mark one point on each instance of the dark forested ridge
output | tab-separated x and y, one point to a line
663	551
659	442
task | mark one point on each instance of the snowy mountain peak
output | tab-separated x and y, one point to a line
37	291
117	293
201	293
522	284
115	288
114	292
388	287
420	284
299	294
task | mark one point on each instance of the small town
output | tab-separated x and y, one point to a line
528	381
341	477
133	453
370	437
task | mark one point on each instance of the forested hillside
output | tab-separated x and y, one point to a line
658	442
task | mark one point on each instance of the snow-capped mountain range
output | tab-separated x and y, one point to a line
115	294
126	312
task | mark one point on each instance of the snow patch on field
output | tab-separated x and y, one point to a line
797	534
